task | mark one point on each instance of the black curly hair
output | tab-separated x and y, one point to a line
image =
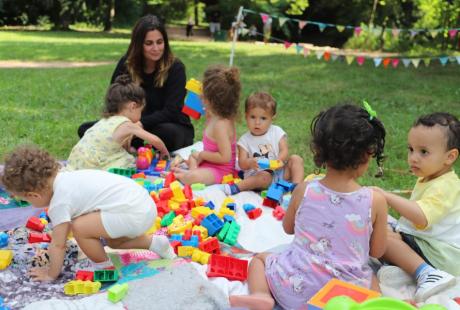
449	122
343	136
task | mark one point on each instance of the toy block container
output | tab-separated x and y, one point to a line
117	292
227	267
336	287
105	275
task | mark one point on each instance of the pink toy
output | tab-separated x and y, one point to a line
142	163
135	257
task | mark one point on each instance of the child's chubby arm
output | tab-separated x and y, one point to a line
245	161
128	128
56	252
222	131
284	150
378	242
407	208
296	199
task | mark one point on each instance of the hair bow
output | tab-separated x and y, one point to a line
369	110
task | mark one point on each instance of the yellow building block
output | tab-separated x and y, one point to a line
227	178
155	226
173	205
200	257
81	287
194	86
275	164
226	201
201	210
6	256
184	251
199	201
177	191
179	228
203	231
225	211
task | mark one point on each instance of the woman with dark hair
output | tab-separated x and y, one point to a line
150	63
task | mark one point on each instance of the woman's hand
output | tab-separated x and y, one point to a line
41	274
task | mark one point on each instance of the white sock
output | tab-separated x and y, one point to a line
102	265
161	246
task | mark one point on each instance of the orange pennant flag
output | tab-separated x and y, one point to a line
327	56
386	62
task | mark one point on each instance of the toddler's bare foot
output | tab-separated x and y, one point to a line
253	302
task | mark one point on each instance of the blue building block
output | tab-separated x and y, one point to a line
263	163
228	218
275	193
175	238
248	207
194	242
210	205
231	206
287	186
193	101
3	239
212	223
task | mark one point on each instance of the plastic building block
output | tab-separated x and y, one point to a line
225	211
44	215
287	186
190	112
38	237
228	218
175	245
263	193
105	275
232	234
275	164
337	287
210	205
231	206
6	256
168	219
81	287
263	163
255	213
185	251
227	179
202	231
188	192
200	257
169	179
223	232
278	213
212	223
227	267
380	303
139	175
166	193
269	202
177	191
198	186
124	172
192	101
117	292
210	245
248	207
275	193
3	239
200	211
84	275
35	224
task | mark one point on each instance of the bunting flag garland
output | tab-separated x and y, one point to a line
406	62
360	60
282	20
453	33
321	26
395	62
377	61
298	48
434	33
443	60
319	54
349	59
426	61
334	57
340	28
287	44
264	17
327	56
386	62
302	24
416	62
358	31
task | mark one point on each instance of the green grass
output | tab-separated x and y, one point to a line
45	106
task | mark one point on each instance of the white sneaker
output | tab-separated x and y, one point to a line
394	276
434	283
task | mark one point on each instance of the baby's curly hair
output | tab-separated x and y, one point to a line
222	87
448	122
28	169
344	135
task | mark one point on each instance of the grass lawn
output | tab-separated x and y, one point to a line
45	106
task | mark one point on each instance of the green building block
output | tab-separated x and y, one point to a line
117	292
124	172
232	233
168	219
198	186
223	232
105	275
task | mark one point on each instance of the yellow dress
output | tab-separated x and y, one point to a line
97	149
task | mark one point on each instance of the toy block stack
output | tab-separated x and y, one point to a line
252	211
193	106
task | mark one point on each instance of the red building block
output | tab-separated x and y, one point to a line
39	237
187	234
279	213
169	179
188	191
254	213
166	194
198	219
210	245
227	267
197	233
269	203
162	207
175	244
84	275
35	224
140	175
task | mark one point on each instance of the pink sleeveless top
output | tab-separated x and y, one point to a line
219	170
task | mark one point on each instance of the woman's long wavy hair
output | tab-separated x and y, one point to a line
135	53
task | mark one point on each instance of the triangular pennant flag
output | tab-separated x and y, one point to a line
244	31
458	59
349	59
340	28
416	62
395	32
434	33
357	31
386	62
443	60
319	54
321	26
282	20
406	62
395	62
360	60
334	57
302	24
452	33
264	17
287	44
298	48
377	61
413	33
426	61
327	56
306	52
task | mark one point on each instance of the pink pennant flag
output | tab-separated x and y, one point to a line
395	62
306	52
264	17
287	44
358	31
452	33
360	60
302	24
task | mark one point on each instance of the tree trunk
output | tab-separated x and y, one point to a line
197	21
109	14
